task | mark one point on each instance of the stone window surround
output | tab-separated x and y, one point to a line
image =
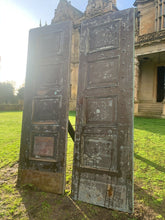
160	15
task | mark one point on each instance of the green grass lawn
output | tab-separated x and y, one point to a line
149	147
10	133
149	154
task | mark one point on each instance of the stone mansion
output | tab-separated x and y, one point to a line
149	85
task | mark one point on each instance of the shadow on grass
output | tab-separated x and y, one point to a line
41	205
153	203
150	124
156	166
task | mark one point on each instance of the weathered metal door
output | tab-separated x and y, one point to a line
103	157
46	107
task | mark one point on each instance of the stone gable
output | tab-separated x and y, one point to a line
65	11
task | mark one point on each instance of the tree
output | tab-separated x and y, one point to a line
6	93
20	94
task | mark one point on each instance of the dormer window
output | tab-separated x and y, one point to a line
160	15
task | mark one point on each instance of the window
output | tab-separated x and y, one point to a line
160	23
138	22
160	9
164	22
160	15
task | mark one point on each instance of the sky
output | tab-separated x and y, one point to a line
17	17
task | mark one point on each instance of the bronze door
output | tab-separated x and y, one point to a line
103	157
46	107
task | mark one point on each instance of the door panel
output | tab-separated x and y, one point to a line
46	107
103	157
160	83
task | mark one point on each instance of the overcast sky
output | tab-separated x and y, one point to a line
16	18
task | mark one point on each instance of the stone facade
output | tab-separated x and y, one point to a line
65	11
150	58
149	49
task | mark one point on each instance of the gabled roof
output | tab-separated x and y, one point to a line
65	11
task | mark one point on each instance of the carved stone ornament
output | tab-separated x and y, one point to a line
95	7
151	37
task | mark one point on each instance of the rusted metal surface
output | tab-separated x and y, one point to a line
103	157
43	146
45	117
45	181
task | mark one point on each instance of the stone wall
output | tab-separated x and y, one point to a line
147	81
147	18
